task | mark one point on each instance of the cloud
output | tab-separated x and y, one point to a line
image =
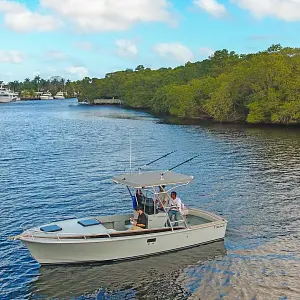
206	51
53	56
97	16
212	7
56	55
288	10
79	72
126	48
18	18
176	51
109	15
83	45
14	57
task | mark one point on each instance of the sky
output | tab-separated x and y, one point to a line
78	38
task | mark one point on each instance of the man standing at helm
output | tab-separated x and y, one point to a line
175	205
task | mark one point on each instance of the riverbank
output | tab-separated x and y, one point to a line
256	88
204	120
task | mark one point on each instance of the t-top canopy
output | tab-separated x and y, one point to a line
148	179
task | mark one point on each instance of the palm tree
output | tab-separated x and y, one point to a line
37	80
63	83
27	84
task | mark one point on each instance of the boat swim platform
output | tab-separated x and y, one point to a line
108	102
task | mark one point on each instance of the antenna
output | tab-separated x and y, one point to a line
130	156
155	160
180	164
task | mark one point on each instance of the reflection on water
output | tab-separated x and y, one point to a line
167	276
112	112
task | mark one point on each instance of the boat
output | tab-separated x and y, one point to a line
59	95
16	96
109	238
6	95
46	96
84	102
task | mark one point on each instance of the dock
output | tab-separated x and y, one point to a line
108	102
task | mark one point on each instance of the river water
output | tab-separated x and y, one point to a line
57	159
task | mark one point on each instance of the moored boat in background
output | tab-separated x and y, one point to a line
59	95
84	102
46	96
6	95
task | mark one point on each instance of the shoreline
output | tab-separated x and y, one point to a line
169	119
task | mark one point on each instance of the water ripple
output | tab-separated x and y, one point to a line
57	160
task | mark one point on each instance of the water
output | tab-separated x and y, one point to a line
57	159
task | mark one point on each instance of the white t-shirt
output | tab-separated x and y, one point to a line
176	204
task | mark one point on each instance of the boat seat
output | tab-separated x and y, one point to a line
89	222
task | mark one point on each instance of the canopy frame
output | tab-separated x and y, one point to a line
152	179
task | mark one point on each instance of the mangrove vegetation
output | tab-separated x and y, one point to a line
262	87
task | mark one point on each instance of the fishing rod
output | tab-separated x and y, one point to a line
155	160
188	160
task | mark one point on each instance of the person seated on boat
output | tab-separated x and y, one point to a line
162	199
141	222
175	208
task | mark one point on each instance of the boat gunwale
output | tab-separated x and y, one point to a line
103	235
205	213
120	234
34	235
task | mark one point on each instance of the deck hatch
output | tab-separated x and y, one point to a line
51	228
89	222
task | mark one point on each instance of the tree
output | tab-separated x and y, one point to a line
274	48
139	68
261	87
37	80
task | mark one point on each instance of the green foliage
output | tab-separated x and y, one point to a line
261	87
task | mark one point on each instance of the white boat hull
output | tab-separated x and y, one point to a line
59	97
55	251
46	98
6	99
6	95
